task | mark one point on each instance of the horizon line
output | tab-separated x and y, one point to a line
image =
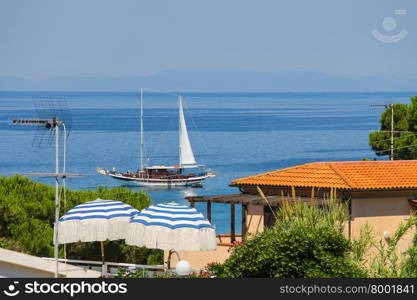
208	92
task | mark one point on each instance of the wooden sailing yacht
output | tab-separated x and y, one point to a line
186	173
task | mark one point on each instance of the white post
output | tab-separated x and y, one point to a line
392	131
56	124
141	130
64	170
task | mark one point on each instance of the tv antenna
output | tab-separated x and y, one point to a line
52	115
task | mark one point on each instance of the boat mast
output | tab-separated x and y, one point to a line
179	128
141	131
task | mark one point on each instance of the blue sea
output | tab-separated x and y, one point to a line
234	134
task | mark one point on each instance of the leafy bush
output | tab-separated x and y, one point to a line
27	213
305	242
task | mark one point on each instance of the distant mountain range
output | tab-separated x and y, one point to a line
219	81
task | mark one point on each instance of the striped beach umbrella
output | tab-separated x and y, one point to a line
171	227
97	220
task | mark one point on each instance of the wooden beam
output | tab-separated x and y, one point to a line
244	225
192	203
209	211
274	200
232	223
227	235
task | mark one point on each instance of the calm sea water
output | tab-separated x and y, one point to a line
234	134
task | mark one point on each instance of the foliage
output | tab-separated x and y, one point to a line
306	242
139	273
142	273
211	270
27	217
405	142
309	242
387	262
409	265
9	244
361	246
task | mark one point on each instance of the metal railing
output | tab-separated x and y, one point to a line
108	269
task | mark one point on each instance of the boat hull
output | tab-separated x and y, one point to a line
191	181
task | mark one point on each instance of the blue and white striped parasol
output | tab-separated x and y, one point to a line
171	227
96	220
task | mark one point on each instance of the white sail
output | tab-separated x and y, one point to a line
186	152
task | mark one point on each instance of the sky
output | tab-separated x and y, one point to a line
121	38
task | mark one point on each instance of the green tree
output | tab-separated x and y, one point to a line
27	217
405	132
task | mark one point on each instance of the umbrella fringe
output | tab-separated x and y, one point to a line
90	231
181	239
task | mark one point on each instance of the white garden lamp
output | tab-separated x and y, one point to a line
183	268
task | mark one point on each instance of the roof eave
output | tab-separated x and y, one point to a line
282	186
323	187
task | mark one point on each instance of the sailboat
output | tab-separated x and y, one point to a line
186	173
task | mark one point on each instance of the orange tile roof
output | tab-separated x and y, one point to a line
351	175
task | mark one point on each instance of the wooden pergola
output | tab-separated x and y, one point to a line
245	200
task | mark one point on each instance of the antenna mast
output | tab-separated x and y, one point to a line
52	114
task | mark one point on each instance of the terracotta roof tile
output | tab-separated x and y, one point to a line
352	175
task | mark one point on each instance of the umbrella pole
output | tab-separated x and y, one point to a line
169	260
102	257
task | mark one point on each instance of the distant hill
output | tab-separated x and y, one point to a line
219	81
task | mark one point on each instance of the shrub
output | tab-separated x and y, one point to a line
409	266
